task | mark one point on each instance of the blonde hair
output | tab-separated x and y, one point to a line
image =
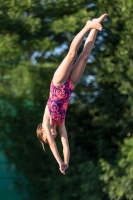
40	134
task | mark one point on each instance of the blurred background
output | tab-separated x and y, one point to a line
34	38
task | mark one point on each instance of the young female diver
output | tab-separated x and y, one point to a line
63	83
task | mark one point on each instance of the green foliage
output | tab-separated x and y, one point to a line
118	178
34	38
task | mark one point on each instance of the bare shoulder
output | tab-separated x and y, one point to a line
46	112
64	137
62	130
46	115
61	126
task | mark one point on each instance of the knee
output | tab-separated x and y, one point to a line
72	54
84	56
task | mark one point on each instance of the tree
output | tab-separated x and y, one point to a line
35	36
118	178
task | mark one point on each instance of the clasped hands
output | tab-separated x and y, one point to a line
63	167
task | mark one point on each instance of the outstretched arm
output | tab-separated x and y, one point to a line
65	143
53	147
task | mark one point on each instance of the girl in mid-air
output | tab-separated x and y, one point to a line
63	83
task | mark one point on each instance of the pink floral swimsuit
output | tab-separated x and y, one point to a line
58	101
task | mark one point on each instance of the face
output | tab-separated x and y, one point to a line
53	132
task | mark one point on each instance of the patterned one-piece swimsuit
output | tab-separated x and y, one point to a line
58	101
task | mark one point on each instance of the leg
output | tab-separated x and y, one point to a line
63	71
80	65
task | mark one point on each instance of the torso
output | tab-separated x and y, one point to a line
58	101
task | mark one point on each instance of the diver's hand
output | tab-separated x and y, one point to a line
63	167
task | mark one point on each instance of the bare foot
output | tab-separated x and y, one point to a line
100	19
93	25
